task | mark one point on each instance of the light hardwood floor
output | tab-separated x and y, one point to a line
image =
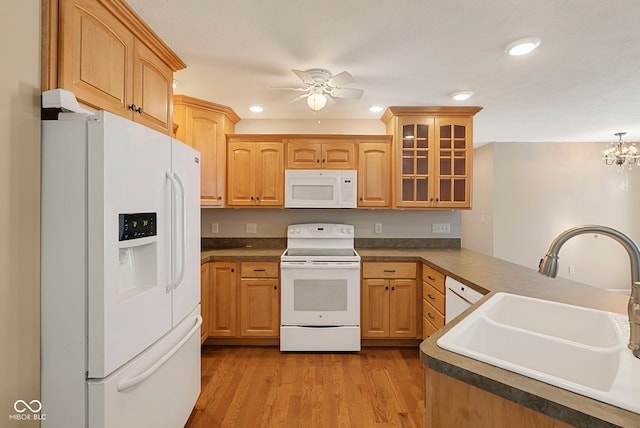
262	387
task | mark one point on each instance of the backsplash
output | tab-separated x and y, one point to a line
272	223
222	243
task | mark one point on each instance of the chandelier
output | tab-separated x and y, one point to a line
621	153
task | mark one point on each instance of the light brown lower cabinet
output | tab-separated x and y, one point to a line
389	300
449	402
433	300
259	299
223	315
244	300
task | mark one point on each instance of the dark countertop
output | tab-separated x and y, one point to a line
488	275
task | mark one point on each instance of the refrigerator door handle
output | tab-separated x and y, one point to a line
127	384
183	251
180	197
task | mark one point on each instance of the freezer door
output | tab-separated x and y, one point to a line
185	248
129	298
158	389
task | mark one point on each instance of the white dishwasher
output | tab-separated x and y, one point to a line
458	298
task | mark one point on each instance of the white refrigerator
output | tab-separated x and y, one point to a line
120	274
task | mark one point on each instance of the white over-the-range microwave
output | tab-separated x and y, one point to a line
320	188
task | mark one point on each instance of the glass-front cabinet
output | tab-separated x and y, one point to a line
453	165
433	152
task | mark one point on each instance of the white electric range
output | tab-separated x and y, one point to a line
320	289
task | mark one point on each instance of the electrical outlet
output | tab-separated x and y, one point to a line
440	228
252	227
378	228
572	270
214	228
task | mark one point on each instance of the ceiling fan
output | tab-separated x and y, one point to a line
320	83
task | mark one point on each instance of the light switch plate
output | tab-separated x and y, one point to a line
378	227
252	227
214	228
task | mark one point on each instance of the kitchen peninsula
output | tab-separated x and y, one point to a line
488	275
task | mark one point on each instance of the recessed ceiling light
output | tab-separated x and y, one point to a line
376	109
522	46
256	109
461	95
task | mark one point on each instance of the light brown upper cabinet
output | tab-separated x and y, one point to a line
321	153
110	59
255	173
374	172
433	149
203	126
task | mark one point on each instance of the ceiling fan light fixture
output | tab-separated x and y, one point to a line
461	95
316	101
522	46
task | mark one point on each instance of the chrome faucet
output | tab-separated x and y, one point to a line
549	267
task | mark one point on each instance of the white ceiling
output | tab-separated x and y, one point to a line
581	84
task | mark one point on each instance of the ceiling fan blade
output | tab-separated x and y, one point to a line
347	93
304	76
290	88
298	98
341	79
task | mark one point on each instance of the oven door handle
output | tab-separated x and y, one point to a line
319	265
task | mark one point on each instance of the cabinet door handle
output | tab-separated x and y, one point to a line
317	160
257	198
135	108
219	198
386	288
393	288
252	198
275	287
430	296
233	270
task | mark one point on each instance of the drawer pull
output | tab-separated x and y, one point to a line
390	270
431	278
259	270
430	316
430	296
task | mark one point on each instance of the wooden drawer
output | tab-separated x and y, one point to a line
388	270
427	328
259	270
433	277
432	314
433	296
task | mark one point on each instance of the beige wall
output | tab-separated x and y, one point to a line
538	190
19	208
477	225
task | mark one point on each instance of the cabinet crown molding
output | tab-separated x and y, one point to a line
208	105
428	111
